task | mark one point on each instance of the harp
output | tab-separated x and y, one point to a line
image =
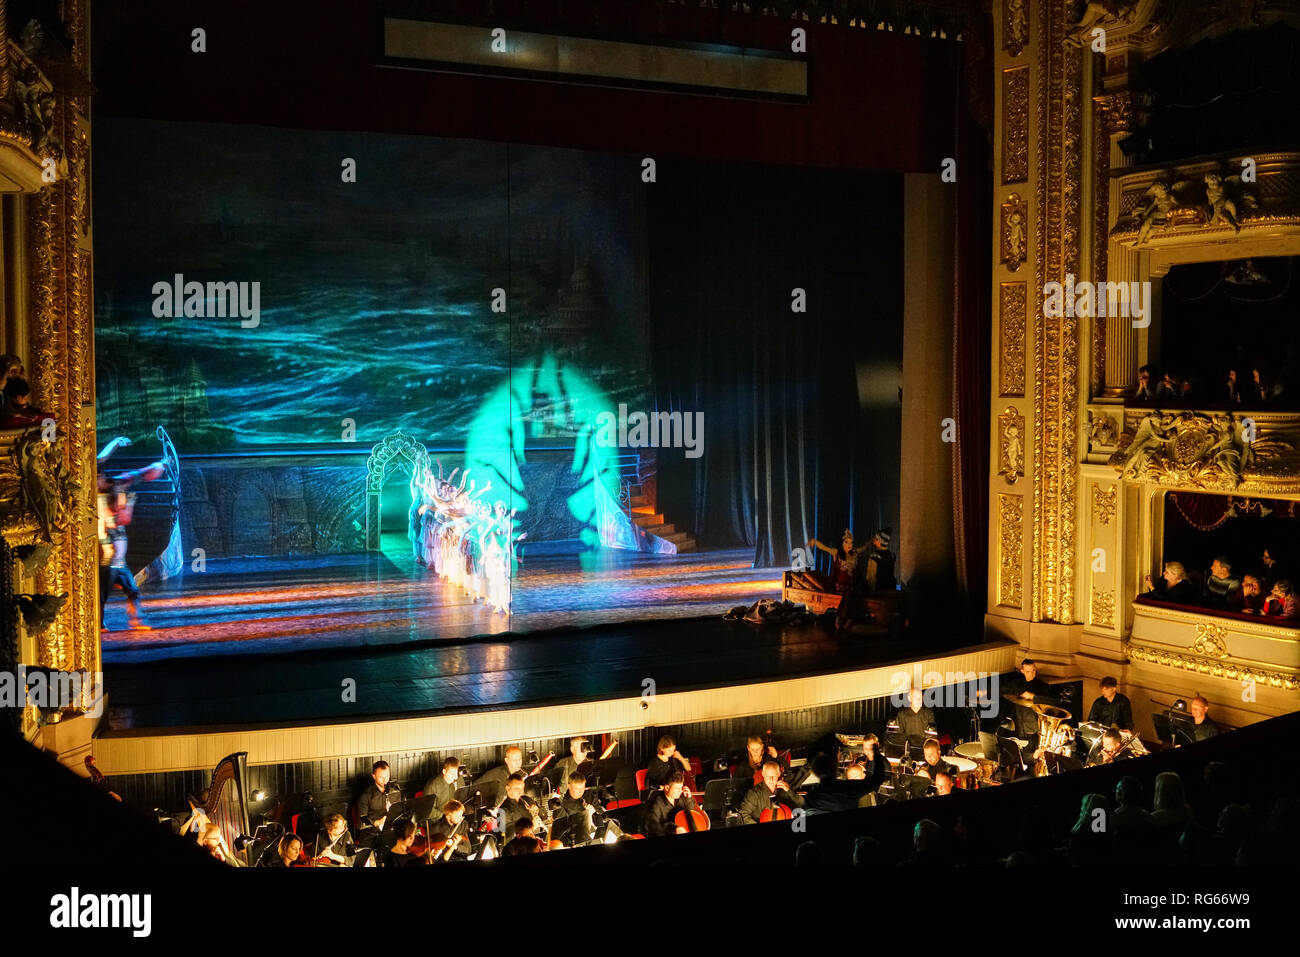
227	803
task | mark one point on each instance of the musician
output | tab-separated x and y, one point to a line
667	760
933	764
579	757
769	792
574	812
663	804
874	764
333	841
1203	727
451	823
1112	709
1112	749
525	839
374	801
755	754
399	855
214	842
942	783
284	853
442	786
1027	688
516	806
493	782
915	722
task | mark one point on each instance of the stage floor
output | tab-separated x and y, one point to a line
604	663
277	605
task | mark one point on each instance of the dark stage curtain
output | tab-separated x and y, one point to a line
801	410
972	321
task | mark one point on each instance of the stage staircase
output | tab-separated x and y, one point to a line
644	516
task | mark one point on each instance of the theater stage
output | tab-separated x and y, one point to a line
177	714
276	605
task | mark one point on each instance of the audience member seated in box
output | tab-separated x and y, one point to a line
1282	602
1173	586
1145	390
17	412
1252	595
1273	569
1222	591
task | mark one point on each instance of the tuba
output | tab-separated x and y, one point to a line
1053	734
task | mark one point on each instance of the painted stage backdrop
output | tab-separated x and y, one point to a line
250	294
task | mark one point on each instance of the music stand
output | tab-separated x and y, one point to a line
468	796
1009	756
989	742
423	808
1164	730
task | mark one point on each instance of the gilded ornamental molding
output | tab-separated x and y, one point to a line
1209	202
1210	451
1011	554
1015	124
1214	667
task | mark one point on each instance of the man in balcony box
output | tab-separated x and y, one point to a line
1273	572
1173	586
1221	589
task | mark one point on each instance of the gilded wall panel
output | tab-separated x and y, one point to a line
1015	124
1010	550
1011	336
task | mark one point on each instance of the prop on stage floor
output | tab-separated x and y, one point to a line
861	584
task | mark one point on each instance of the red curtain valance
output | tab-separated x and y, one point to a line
1207	512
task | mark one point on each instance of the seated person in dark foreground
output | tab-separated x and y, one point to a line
1221	589
943	783
667	760
755	753
1112	709
915	722
1252	595
1282	602
663	804
1203	727
1173	586
767	794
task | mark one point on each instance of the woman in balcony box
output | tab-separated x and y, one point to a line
1282	602
1173	586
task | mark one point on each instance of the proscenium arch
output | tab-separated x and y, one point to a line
394	446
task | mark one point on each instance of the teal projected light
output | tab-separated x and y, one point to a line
545	401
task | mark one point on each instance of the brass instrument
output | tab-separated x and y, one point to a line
1053	734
